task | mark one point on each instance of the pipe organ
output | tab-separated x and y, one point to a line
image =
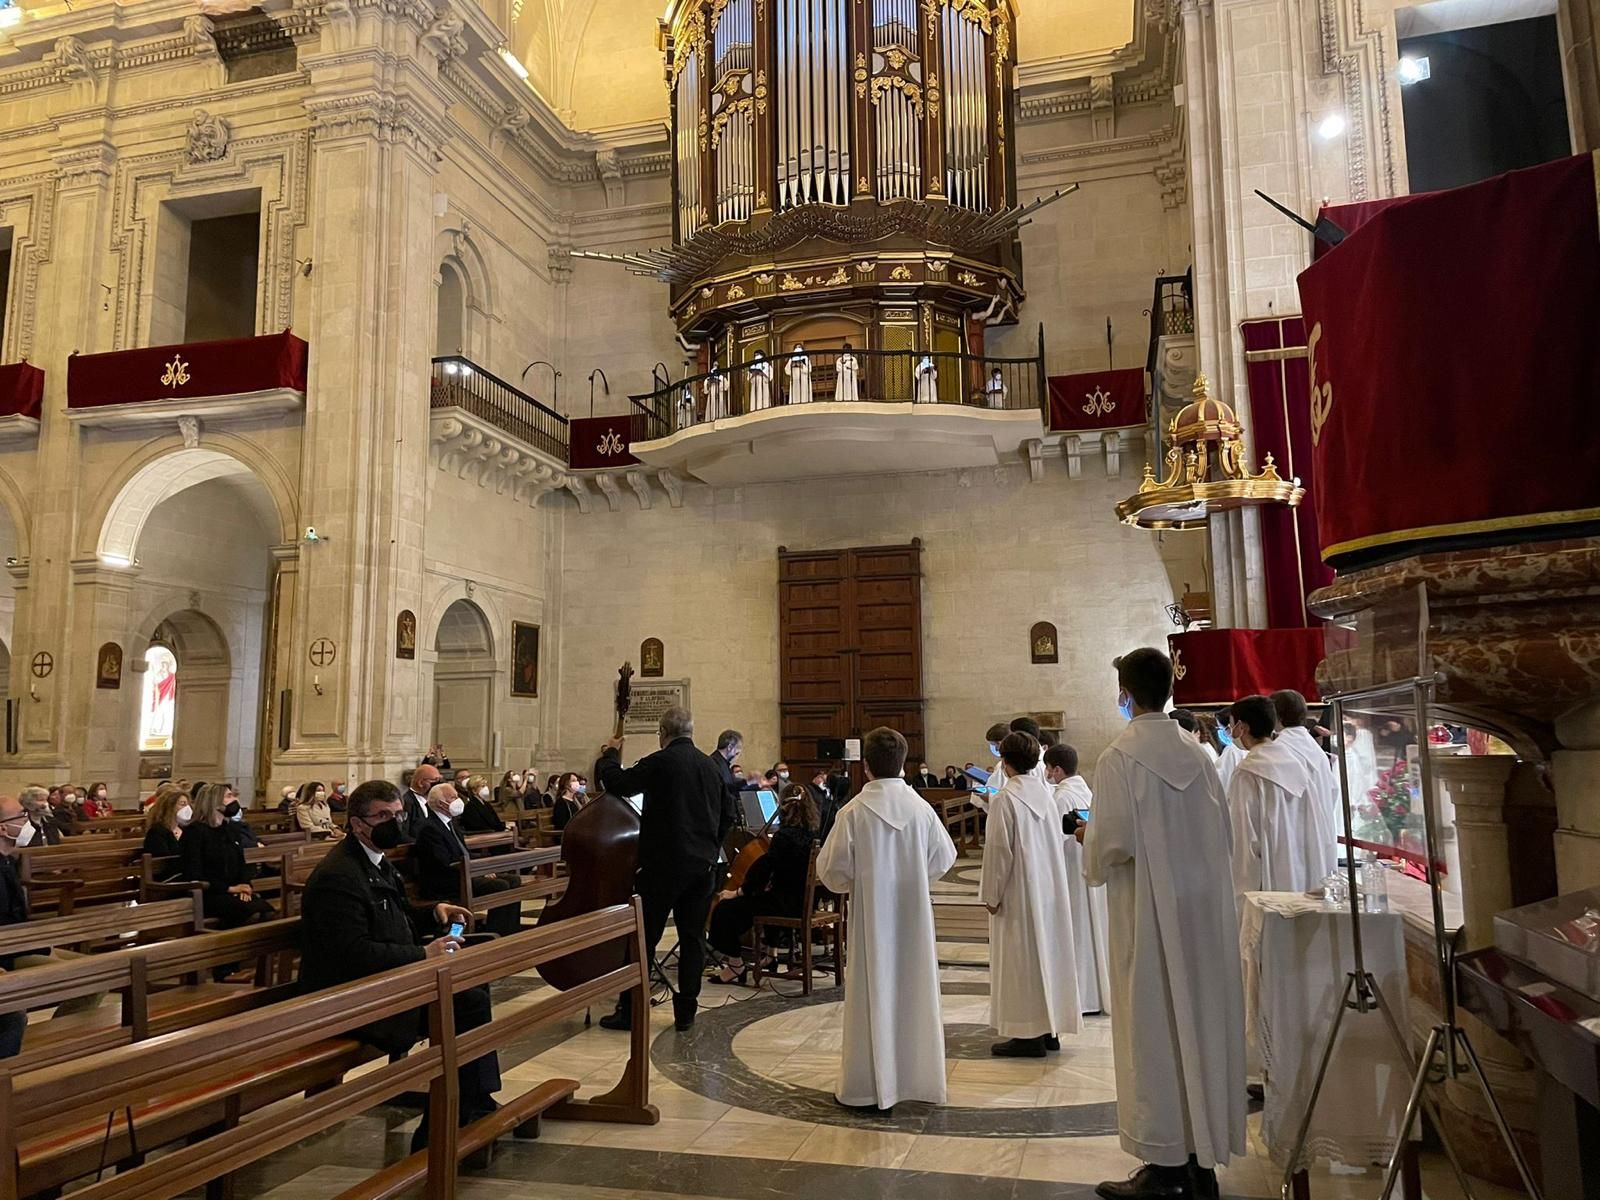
841	173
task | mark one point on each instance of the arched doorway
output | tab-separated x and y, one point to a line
450	322
185	718
464	688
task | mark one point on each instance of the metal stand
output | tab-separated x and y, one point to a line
1440	1060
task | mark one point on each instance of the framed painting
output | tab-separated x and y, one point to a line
524	659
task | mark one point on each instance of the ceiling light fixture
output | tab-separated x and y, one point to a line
1413	70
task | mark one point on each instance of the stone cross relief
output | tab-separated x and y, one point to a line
209	135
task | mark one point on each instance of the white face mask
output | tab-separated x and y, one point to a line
457	806
25	835
185	814
483	792
516	781
238	816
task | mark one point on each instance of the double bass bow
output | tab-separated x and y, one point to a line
600	850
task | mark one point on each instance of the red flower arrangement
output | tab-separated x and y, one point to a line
1389	801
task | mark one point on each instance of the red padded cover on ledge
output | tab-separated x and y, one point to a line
223	368
21	390
1455	366
1218	666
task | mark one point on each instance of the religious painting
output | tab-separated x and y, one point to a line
158	708
108	666
1043	644
652	658
524	659
405	634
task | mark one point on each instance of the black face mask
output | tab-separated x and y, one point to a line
231	809
386	836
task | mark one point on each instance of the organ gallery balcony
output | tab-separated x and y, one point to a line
842	412
233	378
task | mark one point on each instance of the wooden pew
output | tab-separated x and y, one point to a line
203	1083
542	886
961	817
119	924
122	825
64	878
156	875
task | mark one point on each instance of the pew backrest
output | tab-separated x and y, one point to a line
100	924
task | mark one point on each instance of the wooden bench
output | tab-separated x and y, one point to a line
102	925
63	878
202	1084
517	865
161	987
122	825
961	818
160	877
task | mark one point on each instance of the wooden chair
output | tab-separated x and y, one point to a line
829	921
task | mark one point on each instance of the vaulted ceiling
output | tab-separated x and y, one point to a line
596	63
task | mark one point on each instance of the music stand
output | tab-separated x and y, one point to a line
1361	991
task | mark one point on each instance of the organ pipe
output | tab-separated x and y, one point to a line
688	148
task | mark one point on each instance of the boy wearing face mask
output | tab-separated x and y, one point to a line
997	734
441	847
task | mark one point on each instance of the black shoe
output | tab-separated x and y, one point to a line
1020	1048
683	1013
1052	1043
1255	1093
683	1024
1149	1182
622	1022
865	1108
1202	1181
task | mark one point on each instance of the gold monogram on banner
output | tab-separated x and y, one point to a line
1321	397
1098	403
1178	669
177	373
610	443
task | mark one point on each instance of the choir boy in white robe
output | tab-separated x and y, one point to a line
716	387
1157	839
798	369
995	391
887	847
1229	758
1281	839
760	383
1291	709
847	377
981	796
997	735
1088	903
927	382
1033	965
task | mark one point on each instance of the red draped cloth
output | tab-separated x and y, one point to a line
1280	421
1096	400
1218	666
193	369
21	390
1455	366
599	442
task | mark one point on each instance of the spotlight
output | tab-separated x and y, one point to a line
1413	70
10	14
1331	126
515	63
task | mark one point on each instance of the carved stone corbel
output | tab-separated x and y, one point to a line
189	428
609	489
1112	441
443	38
672	486
580	492
640	483
1072	451
1034	449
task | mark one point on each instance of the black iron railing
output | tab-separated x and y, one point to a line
461	383
838	376
1171	311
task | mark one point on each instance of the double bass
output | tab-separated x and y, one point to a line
600	850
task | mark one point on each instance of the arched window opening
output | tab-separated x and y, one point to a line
452	302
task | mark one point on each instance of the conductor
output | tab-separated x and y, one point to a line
686	815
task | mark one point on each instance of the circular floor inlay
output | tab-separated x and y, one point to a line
705	1061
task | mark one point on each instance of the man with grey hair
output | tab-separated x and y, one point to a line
686	815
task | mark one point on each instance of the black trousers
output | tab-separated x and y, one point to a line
686	895
479	1079
505	920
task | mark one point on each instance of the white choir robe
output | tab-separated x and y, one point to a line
1157	839
847	379
1281	838
1227	763
760	382
1324	783
997	783
1088	907
1033	976
996	391
685	408
927	383
716	398
1361	756
886	849
799	371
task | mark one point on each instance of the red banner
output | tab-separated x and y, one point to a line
1280	419
1453	367
599	442
21	390
1218	666
225	368
1097	400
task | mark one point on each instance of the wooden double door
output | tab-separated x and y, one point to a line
850	647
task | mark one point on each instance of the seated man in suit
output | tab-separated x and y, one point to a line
440	848
357	921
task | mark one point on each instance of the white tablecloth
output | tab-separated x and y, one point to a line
1296	958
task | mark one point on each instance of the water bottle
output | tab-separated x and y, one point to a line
1374	887
1335	890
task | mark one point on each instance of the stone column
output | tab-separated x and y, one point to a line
1476	785
1575	774
377	126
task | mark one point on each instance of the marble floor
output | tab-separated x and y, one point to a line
746	1109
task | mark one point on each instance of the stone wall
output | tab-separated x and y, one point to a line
999	553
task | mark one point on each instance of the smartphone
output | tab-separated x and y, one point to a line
456	930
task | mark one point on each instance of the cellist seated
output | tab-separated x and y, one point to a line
775	885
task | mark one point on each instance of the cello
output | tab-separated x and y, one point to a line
600	849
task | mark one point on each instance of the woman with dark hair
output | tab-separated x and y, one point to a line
569	798
774	887
311	811
96	804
